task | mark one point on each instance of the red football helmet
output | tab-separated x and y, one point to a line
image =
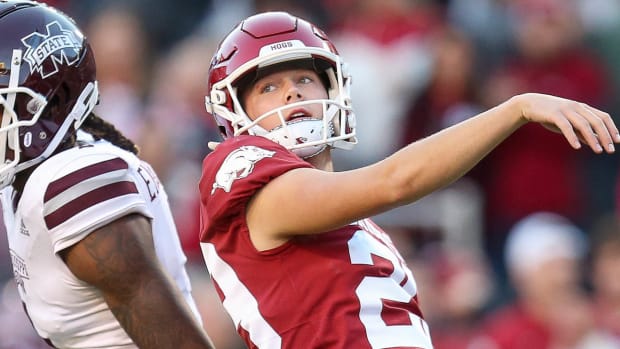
47	83
275	38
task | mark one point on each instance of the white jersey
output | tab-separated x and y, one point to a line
66	198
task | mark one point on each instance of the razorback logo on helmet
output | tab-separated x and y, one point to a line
238	164
42	46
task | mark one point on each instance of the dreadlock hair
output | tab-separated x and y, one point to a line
101	129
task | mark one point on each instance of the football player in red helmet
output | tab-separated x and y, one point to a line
284	237
95	253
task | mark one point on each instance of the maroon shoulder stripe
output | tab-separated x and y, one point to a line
87	200
73	178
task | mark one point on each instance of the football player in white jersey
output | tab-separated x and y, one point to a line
95	252
284	237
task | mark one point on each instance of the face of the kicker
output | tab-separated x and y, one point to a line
280	88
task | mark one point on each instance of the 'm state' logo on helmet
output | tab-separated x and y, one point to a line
238	164
41	47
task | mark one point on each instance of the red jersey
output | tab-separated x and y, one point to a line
347	288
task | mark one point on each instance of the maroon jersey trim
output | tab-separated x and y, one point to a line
87	200
73	178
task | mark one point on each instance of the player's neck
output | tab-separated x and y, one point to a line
322	161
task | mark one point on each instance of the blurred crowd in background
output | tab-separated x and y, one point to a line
523	252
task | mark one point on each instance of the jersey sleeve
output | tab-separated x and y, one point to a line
233	173
86	193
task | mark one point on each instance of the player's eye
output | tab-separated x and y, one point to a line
306	80
266	88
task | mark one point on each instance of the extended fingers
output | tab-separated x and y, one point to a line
576	121
601	127
584	125
567	127
608	121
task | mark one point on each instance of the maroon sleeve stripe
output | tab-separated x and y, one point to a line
87	200
73	178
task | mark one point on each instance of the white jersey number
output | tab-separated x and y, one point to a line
398	287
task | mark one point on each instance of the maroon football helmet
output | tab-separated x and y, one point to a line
47	83
265	41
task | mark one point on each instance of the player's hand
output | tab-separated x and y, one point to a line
578	122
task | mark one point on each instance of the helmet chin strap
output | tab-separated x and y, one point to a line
302	137
326	125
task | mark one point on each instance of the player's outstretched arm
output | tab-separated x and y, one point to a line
338	198
447	155
438	160
119	259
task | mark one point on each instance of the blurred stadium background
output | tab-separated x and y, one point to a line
418	66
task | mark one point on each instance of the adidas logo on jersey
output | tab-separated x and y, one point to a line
23	230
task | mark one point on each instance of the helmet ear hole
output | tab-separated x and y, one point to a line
33	106
218	97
